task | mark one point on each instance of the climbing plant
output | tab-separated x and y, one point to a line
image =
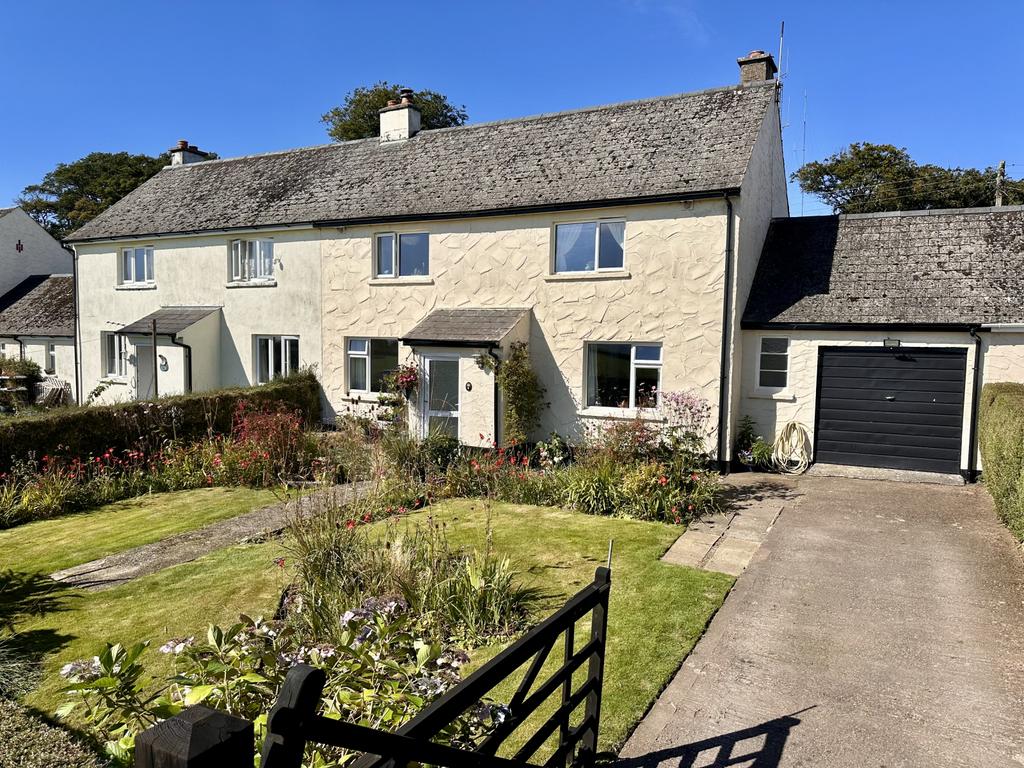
522	393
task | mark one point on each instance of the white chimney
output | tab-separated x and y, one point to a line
186	153
399	119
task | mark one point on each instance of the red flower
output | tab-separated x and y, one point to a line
662	480
279	562
695	477
689	507
367	517
350	524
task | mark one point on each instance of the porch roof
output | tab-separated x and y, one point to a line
464	327
170	321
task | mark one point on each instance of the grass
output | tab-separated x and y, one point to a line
50	545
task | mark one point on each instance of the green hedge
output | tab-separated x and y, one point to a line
81	431
1001	438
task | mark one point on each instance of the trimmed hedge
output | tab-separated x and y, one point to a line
91	430
1001	438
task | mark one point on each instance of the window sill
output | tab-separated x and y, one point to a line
135	287
402	281
251	284
784	396
114	380
618	274
355	396
603	412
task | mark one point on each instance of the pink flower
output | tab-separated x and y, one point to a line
350	524
662	480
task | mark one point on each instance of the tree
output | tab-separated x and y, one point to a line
74	193
358	117
865	178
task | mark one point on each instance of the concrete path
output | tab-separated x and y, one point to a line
184	547
879	624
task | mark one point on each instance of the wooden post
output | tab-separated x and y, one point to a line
156	362
595	672
199	737
295	709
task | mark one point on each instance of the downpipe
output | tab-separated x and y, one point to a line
972	439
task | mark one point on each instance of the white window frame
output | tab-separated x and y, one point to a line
50	351
238	260
127	266
366	355
396	255
269	340
657	365
116	369
758	387
597	246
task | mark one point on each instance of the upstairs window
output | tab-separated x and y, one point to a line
137	266
623	375
276	356
252	260
405	255
773	363
369	361
589	246
115	356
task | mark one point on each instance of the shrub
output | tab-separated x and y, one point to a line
1001	439
95	430
29	741
592	487
521	393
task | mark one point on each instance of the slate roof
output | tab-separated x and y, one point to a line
169	320
40	305
671	146
946	267
5	211
481	327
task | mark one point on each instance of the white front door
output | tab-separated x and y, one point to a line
440	407
144	371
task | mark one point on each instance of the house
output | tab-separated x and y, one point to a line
620	242
37	310
877	332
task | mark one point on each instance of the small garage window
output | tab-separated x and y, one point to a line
773	365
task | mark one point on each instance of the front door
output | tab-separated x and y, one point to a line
144	371
440	406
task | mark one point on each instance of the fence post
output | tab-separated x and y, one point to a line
595	671
199	737
295	708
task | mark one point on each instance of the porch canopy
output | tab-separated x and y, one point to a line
464	328
170	321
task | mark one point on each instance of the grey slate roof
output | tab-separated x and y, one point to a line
464	326
40	305
930	267
5	211
169	320
671	146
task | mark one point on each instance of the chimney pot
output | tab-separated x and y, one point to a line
182	144
183	153
756	66
399	120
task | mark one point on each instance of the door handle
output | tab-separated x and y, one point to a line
890	398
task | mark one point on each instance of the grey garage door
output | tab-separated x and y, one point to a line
901	408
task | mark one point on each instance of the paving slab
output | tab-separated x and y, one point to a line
879	624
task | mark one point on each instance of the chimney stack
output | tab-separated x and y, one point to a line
399	120
185	153
756	67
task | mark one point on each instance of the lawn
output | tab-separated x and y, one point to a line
657	612
50	545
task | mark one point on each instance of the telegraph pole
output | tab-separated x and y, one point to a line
1000	181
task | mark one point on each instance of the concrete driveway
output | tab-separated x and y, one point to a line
879	624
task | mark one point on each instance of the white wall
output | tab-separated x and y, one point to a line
40	254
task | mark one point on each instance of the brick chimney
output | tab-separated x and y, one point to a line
185	153
756	67
400	119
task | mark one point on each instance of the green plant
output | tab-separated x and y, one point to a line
592	487
522	394
29	741
761	453
1001	440
746	434
15	366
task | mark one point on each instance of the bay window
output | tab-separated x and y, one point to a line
623	375
276	356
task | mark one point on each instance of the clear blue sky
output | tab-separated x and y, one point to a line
940	78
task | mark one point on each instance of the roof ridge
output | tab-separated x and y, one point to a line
486	124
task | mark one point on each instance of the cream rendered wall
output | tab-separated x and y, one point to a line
204	339
35	350
670	290
193	271
771	412
169	382
40	253
763	196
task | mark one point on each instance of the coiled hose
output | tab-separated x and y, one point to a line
792	450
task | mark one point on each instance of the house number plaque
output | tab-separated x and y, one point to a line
469	386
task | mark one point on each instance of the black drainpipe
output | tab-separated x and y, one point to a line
497	363
972	439
77	334
188	361
723	377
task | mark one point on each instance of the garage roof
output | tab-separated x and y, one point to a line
940	267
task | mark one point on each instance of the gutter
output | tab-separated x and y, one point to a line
497	393
723	377
905	327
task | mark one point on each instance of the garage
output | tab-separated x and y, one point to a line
901	408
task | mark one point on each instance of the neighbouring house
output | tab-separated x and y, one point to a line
877	332
619	242
37	312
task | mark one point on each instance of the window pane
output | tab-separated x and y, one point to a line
574	247
357	345
444	385
139	266
292	346
443	425
413	255
648	352
262	360
126	266
357	373
608	375
383	359
266	259
109	353
647	385
772	379
774	345
276	358
250	260
150	274
386	255
612	234
774	362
